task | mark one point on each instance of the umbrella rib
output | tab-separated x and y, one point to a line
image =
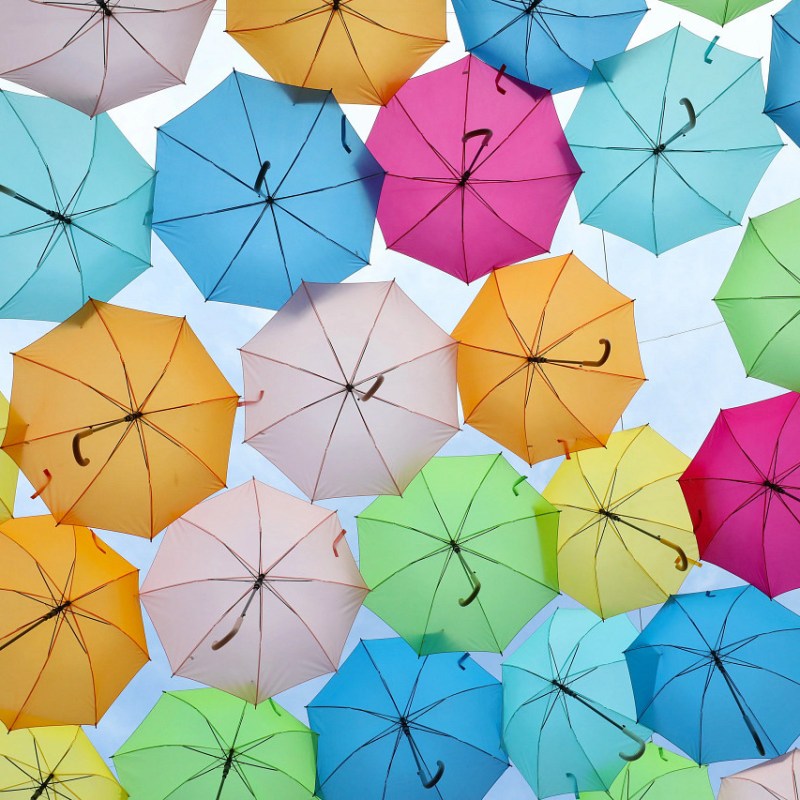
516	371
381	678
208	213
614	188
513	21
376	738
548	31
456	176
303	538
302	17
666	89
348	8
395	748
291	366
368	337
169	72
105	38
374	443
327	444
355	53
100	239
318	50
49	249
324	331
295	412
414	413
436	206
259	160
329	188
607	83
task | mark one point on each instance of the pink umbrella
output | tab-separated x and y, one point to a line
97	54
351	388
479	170
776	779
743	493
253	592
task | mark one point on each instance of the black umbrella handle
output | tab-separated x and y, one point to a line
262	173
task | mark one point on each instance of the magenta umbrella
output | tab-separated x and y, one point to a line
479	170
743	493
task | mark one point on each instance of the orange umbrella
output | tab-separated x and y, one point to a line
120	419
547	358
364	50
71	633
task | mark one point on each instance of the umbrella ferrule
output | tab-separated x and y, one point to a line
104	6
42	787
56	610
462	181
774	487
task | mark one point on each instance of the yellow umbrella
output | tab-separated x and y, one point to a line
8	470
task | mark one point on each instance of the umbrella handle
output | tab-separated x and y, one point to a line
500	73
344	135
372	389
229	635
48	476
336	542
464	602
517	482
687	104
76	446
565	445
429	784
258	399
641	742
707	56
575	790
682	561
602	360
262	173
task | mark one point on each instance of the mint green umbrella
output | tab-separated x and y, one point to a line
719	11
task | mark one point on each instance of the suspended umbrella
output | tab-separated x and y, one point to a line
260	185
551	43
394	725
253	591
8	470
548	358
75	206
351	389
777	779
120	419
478	169
203	743
671	139
98	54
625	538
719	11
71	636
464	559
783	94
364	50
567	704
717	674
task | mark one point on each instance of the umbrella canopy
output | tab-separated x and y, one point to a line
253	591
9	473
364	50
719	11
548	358
392	725
464	559
783	94
478	169
743	493
75	206
718	674
351	389
625	539
203	743
671	139
260	185
71	636
55	763
777	779
568	706
120	419
551	43
98	54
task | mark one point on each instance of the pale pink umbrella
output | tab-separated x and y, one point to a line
351	389
97	54
776	779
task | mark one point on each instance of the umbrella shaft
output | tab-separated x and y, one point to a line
42	787
49	615
735	694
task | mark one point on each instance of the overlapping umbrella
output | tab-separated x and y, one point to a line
783	94
776	779
719	11
9	473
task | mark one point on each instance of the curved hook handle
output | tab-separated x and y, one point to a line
258	399
638	739
429	784
76	446
575	790
372	389
346	146
517	482
465	601
262	173
602	360
487	133
687	104
336	542
228	636
500	73
48	477
681	562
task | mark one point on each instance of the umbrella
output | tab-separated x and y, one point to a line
364	50
98	54
50	763
625	539
671	139
464	559
478	169
71	636
393	725
718	674
253	549
75	206
719	11
8	470
783	96
568	706
548	358
204	743
351	389
777	779
120	419
260	185
551	43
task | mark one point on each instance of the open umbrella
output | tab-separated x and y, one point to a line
120	419
478	169
776	779
719	11
9	473
547	358
783	93
672	140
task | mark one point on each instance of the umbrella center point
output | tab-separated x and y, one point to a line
348	387
269	200
56	610
134	415
659	149
529	9
462	181
604	512
59	217
104	6
455	545
774	487
335	5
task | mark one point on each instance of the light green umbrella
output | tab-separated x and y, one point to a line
719	11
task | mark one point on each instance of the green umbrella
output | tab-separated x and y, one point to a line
204	744
464	559
719	11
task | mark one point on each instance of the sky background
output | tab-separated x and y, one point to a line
691	375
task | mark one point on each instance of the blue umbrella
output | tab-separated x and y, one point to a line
551	43
783	88
718	674
393	726
261	186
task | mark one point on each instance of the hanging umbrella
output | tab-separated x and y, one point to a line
75	206
478	169
71	636
464	559
548	358
777	779
8	470
718	674
253	591
203	743
394	725
260	185
625	538
552	43
351	389
783	94
98	54
364	50
719	11
671	139
568	706
120	419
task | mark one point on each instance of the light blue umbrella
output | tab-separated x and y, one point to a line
783	88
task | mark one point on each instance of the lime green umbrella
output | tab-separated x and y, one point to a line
464	559
719	11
